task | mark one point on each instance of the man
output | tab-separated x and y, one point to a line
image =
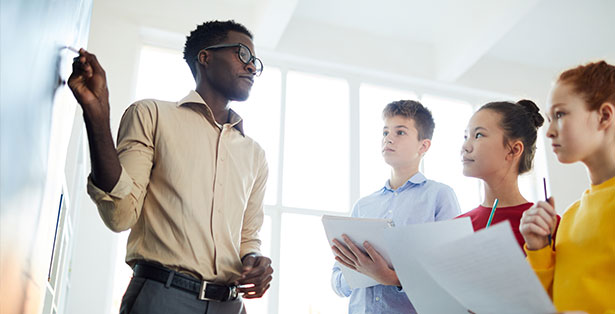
185	179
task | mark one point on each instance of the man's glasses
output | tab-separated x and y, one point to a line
244	54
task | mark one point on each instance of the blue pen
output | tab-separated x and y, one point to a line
495	204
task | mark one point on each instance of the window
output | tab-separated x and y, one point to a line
261	121
305	268
163	74
443	160
316	143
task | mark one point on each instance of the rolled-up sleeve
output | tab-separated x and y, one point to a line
338	283
254	215
120	208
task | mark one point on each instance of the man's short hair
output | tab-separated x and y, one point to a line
413	110
209	34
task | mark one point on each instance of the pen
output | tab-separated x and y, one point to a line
544	185
495	204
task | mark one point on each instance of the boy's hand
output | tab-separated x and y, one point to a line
255	276
537	223
371	264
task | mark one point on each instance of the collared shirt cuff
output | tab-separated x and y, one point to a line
540	259
121	189
339	284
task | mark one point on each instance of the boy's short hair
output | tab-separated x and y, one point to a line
412	110
594	81
209	34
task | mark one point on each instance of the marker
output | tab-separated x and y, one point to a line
544	185
72	49
495	204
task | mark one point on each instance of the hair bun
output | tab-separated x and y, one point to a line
533	111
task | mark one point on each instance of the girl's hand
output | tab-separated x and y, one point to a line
537	223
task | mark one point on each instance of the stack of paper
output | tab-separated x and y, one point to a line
446	268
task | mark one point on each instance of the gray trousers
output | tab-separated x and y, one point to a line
146	296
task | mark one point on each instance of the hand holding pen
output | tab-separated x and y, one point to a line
538	223
88	82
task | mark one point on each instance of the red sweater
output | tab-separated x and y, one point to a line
480	216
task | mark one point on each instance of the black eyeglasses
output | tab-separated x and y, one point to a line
245	55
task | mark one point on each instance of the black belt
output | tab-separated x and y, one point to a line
204	290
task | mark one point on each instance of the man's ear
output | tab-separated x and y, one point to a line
202	57
516	149
606	112
425	144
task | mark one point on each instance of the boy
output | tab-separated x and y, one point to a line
407	198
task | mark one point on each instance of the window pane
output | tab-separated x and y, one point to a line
261	114
305	268
374	171
443	160
163	74
259	306
316	143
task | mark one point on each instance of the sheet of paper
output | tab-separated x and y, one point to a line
487	272
359	230
405	244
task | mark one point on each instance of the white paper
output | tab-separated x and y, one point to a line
487	272
359	230
406	244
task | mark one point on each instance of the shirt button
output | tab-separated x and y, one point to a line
390	211
377	298
395	193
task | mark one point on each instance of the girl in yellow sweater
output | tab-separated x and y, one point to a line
579	273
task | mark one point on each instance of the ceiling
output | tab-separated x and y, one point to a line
452	41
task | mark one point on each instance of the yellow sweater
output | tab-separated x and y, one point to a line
580	273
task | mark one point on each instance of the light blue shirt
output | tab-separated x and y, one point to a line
419	200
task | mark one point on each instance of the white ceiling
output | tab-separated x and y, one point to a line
442	40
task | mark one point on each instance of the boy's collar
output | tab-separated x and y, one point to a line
416	179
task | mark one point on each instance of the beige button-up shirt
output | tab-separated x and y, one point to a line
191	190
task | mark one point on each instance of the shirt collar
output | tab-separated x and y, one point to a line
416	179
193	98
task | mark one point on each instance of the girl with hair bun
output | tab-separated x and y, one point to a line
500	142
579	273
